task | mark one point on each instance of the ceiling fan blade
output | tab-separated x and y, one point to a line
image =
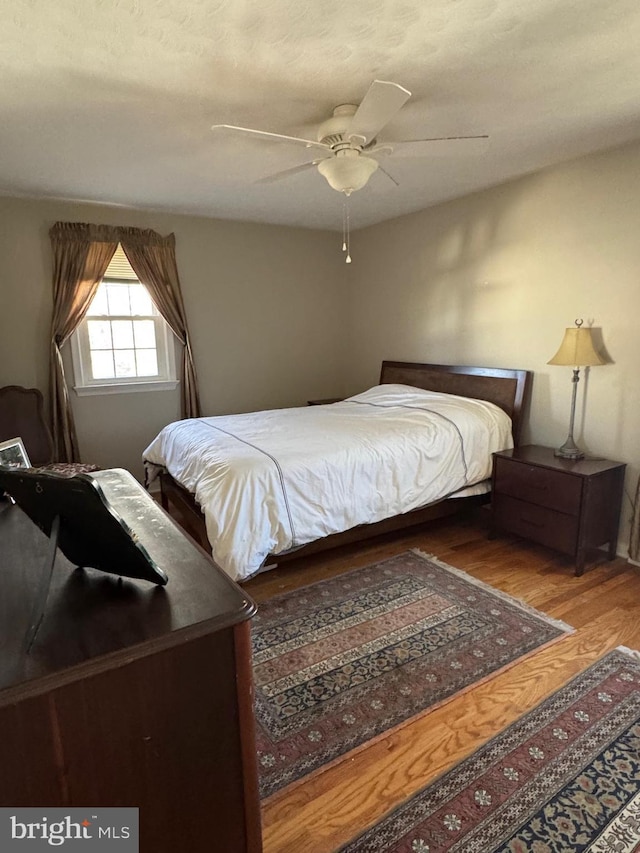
391	178
378	107
285	174
274	137
447	146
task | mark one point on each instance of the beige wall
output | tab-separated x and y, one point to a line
264	304
493	279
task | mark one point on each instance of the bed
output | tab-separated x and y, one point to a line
264	486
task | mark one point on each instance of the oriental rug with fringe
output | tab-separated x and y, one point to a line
343	661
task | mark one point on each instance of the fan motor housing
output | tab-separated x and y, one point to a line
332	130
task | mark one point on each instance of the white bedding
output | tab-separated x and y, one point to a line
271	481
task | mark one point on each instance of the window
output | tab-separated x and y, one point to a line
123	344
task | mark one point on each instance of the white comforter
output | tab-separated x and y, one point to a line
271	481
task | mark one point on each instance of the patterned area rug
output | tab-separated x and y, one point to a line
345	660
565	777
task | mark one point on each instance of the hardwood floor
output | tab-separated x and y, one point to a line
603	606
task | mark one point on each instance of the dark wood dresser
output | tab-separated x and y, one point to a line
570	505
132	694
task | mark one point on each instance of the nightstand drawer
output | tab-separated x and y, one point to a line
550	528
552	489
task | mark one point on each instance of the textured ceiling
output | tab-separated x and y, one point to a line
112	100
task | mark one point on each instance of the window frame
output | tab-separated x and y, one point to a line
85	384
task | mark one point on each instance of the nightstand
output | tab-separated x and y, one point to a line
325	402
572	506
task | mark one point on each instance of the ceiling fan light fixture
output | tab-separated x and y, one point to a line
348	171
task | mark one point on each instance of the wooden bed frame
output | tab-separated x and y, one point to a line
506	388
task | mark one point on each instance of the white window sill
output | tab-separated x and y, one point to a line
126	387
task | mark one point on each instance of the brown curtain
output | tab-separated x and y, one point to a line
153	259
81	255
634	539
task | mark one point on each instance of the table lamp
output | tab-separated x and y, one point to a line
576	350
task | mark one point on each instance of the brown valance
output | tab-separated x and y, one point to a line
74	232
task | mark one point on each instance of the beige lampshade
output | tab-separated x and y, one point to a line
576	349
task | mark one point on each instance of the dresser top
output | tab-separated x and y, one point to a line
91	618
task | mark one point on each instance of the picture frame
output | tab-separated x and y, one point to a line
13	454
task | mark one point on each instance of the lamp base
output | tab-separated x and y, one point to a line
569	450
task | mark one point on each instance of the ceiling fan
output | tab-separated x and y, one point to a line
347	145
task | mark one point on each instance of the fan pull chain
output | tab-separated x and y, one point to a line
346	229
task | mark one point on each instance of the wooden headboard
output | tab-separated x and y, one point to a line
506	388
